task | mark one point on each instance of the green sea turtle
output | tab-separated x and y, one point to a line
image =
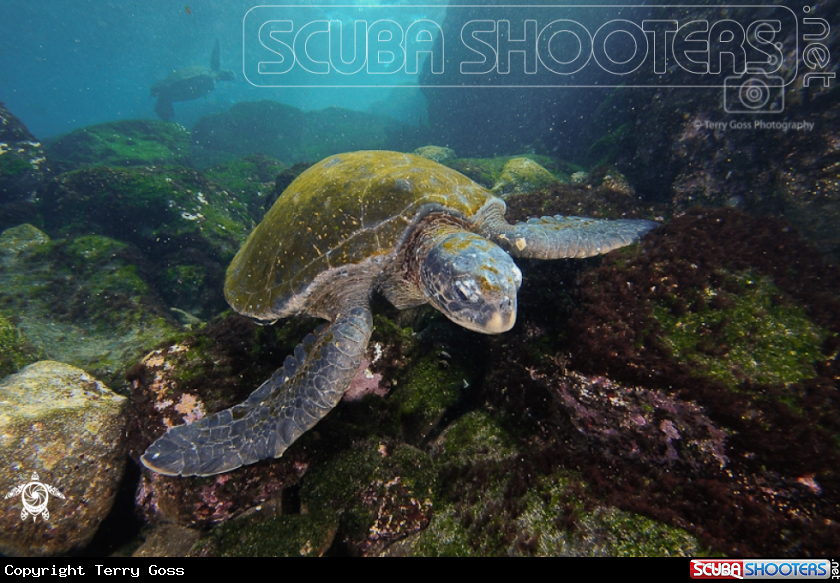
187	84
407	227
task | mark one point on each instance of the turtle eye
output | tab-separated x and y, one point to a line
467	290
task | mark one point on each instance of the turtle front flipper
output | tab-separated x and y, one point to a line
560	237
292	401
164	108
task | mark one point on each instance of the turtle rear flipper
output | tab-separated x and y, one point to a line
560	237
293	400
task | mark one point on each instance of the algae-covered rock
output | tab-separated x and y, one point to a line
429	388
739	316
87	301
23	165
167	540
137	142
251	180
521	175
439	154
296	535
15	351
380	493
609	178
61	423
579	177
552	518
473	437
20	239
490	503
488	172
743	330
159	210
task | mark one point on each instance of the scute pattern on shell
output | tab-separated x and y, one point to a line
342	211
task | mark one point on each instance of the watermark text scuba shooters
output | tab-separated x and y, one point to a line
753	52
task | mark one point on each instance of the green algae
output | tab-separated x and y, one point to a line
430	387
609	147
250	179
21	239
155	209
488	171
365	483
82	301
551	520
754	334
473	437
122	143
522	175
15	351
184	282
298	535
12	166
602	531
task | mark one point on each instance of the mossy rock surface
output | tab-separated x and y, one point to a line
439	154
68	428
521	175
20	239
739	316
15	351
553	518
744	330
297	535
137	142
475	437
430	387
381	493
86	301
159	210
251	180
23	164
489	171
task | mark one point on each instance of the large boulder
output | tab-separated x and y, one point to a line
683	146
157	209
134	142
88	301
521	175
68	428
23	165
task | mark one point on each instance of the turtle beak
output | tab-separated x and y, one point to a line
503	320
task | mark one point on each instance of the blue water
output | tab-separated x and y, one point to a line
65	64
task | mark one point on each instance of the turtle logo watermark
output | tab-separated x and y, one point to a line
35	496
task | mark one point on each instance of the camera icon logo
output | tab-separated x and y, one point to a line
754	93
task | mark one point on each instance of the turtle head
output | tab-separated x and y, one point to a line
472	281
